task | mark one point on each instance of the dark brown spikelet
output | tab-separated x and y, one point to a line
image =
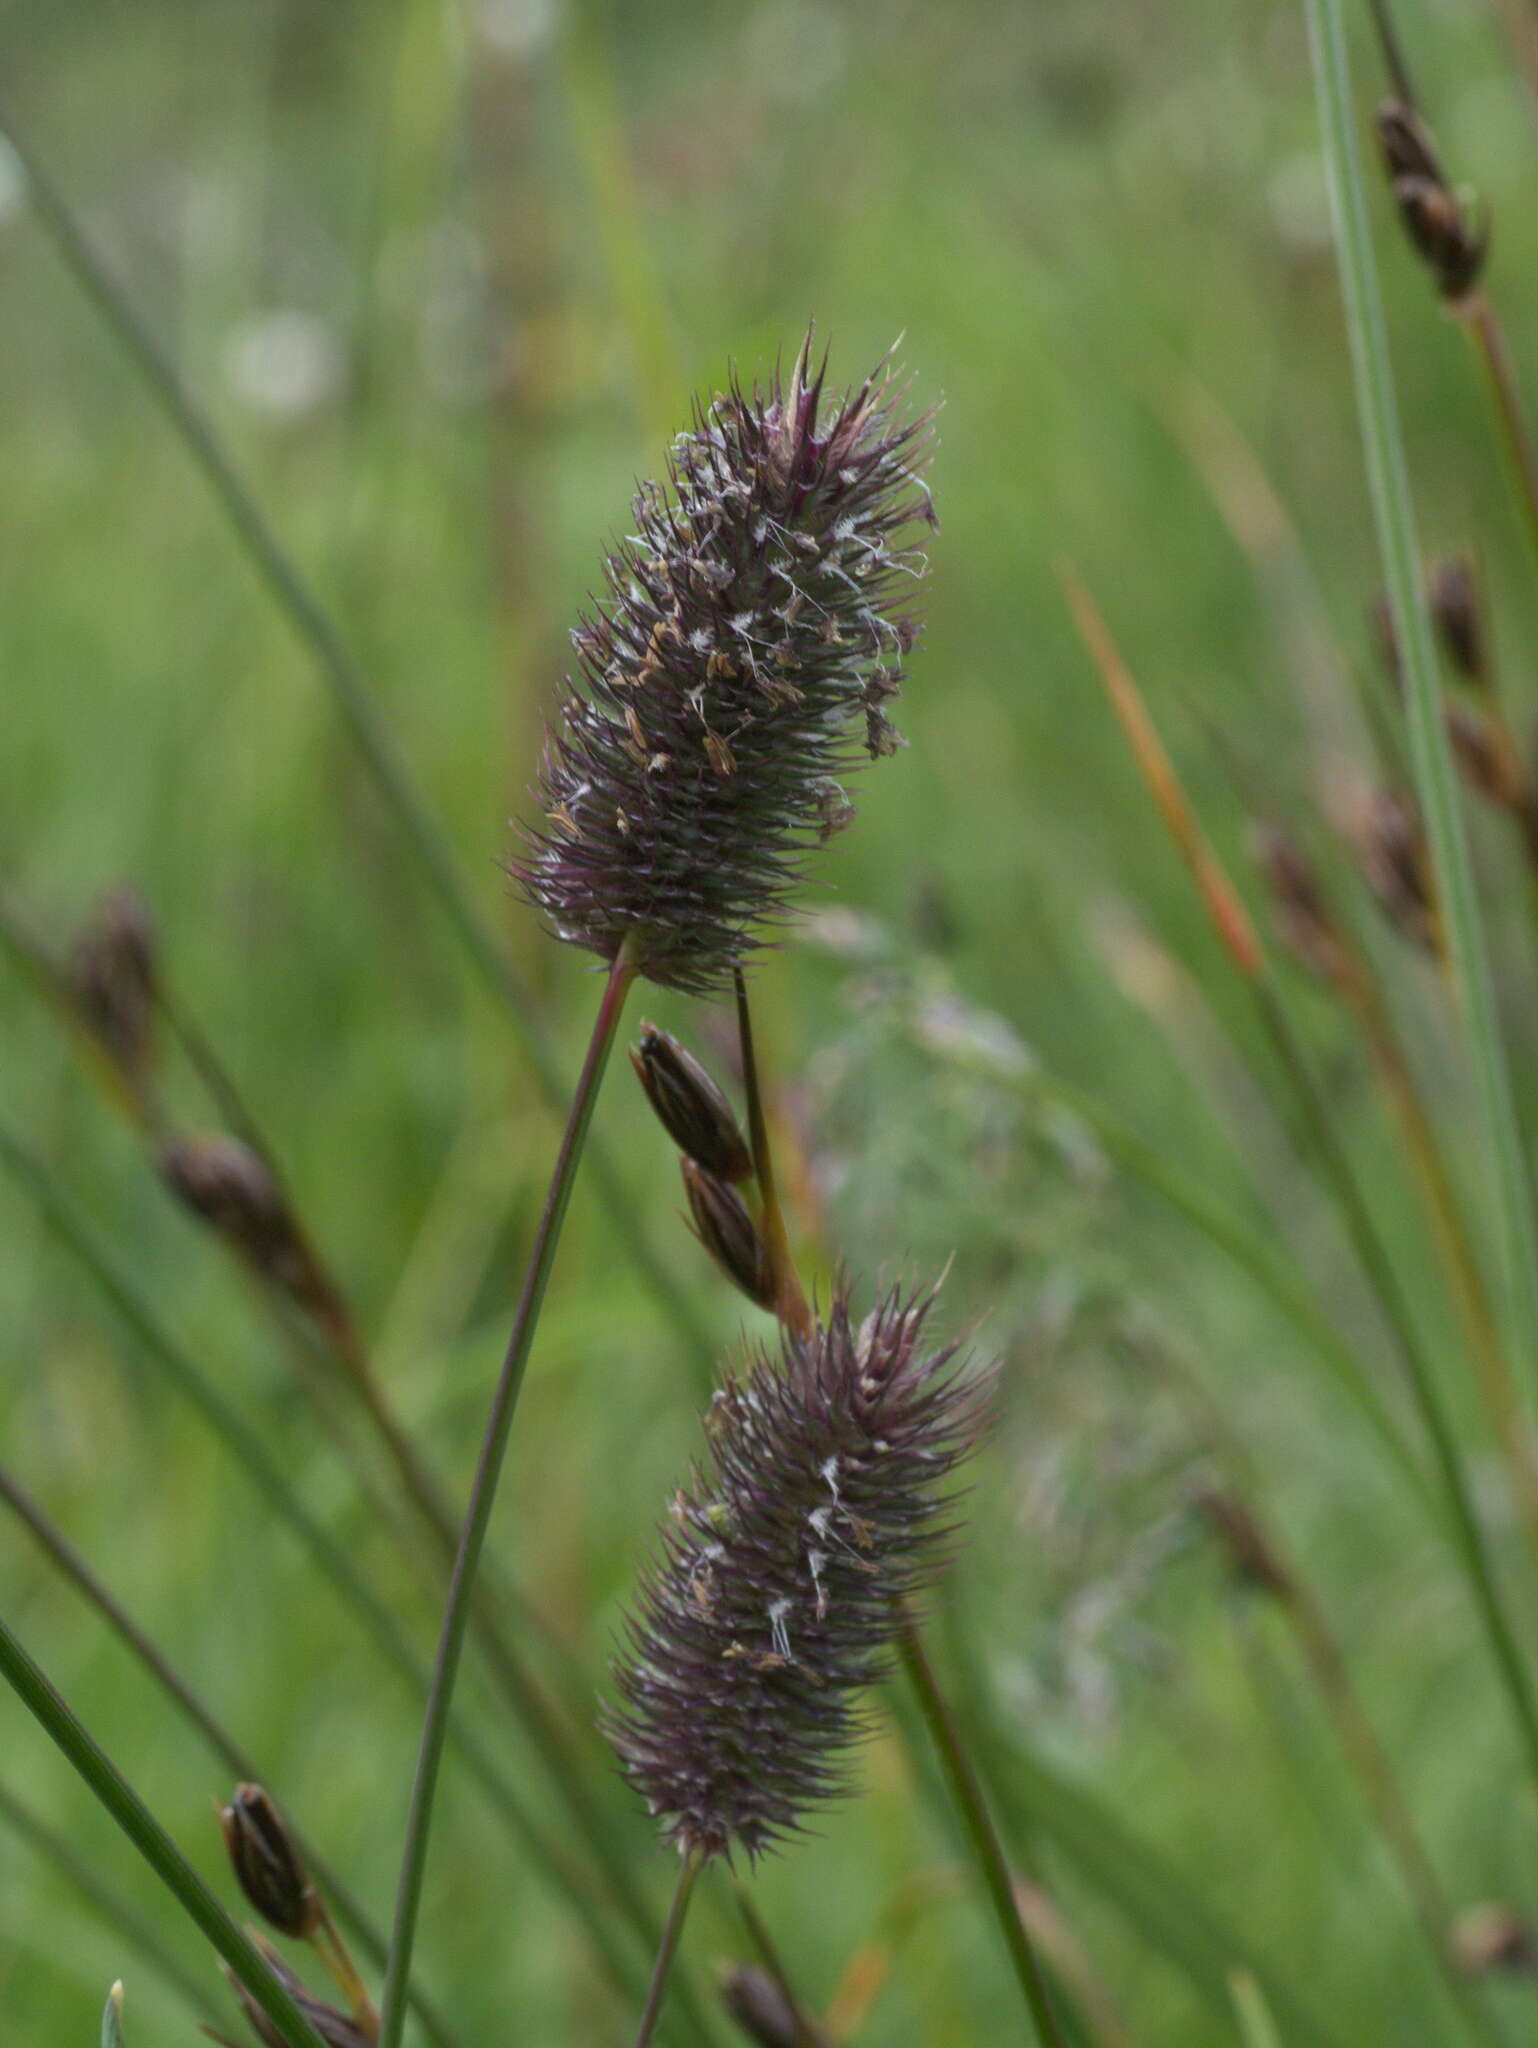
1452	590
1303	916
1439	225
233	1191
113	978
335	2028
690	1106
774	1602
764	2013
738	666
267	1866
719	1218
1396	863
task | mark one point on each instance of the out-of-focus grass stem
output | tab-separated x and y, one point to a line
1243	949
330	1557
114	1910
349	689
54	1716
1435	778
457	1608
72	1567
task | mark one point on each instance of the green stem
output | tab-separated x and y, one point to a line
376	746
73	1567
1379	1269
808	2034
967	1793
1435	777
115	1911
678	1912
152	1842
328	1326
330	1557
1483	323
791	1305
457	1609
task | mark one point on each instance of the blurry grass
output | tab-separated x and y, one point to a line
1058	208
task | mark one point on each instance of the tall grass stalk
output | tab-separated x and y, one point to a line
1435	777
109	1905
1266	1559
52	1714
314	626
982	1836
329	1556
1242	947
327	1332
690	1866
74	1570
457	1609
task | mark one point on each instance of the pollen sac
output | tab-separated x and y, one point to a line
726	1230
733	673
690	1107
267	1866
818	1509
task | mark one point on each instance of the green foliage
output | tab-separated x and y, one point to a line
442	282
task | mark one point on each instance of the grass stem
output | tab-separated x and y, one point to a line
331	1558
151	1840
457	1608
73	1568
315	627
678	1912
113	1910
1435	777
972	1807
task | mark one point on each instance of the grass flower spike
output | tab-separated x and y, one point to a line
740	664
778	1593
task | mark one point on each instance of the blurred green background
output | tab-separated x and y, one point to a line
445	278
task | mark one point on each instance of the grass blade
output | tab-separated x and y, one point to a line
376	745
151	1840
1435	777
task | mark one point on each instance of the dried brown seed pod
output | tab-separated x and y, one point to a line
1396	863
231	1189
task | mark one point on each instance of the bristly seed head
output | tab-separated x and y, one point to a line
775	1600
748	644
